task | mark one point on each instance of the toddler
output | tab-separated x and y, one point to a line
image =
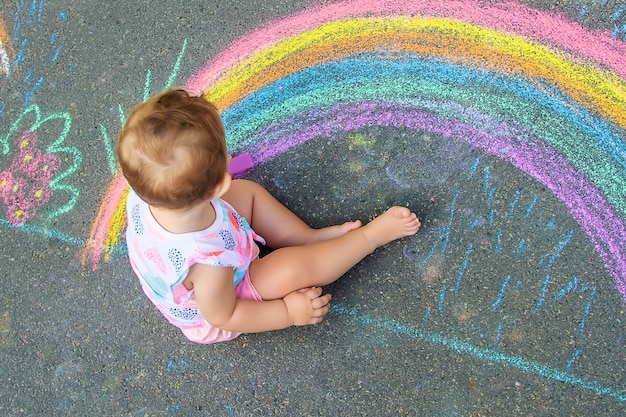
193	231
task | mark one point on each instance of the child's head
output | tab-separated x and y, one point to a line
172	150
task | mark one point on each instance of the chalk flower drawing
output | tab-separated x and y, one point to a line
35	173
26	184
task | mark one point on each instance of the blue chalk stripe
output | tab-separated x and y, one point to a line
483	354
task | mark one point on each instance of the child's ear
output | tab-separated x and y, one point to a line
223	186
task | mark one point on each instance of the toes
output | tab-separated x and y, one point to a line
401	212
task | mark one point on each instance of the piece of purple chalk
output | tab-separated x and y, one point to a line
240	163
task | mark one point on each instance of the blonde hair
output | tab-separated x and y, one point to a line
172	150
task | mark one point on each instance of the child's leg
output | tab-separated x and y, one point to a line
292	268
275	222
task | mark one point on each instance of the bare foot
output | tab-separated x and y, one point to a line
393	224
332	232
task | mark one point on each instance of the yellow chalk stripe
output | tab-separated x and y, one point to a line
595	88
116	226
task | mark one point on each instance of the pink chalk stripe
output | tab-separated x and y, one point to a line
511	17
95	245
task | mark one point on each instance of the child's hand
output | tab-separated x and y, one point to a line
307	306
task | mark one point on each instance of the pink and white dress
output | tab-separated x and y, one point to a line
161	260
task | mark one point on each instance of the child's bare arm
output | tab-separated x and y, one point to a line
215	295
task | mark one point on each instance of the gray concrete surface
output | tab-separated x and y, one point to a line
405	336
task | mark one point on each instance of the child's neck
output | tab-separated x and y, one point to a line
185	220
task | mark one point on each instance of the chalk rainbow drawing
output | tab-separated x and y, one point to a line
410	64
526	86
6	49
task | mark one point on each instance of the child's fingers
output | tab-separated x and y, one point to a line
322	301
319	313
313	292
320	305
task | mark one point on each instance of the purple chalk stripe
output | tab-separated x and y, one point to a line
585	202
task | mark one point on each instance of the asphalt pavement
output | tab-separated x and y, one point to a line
509	301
